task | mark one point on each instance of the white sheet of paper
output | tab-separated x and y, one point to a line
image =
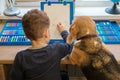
57	13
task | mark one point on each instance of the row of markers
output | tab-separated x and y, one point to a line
103	24
12	24
104	28
111	38
13	32
13	39
107	33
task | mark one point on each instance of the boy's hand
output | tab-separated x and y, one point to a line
60	27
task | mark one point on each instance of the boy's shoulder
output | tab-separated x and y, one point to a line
57	44
48	47
21	52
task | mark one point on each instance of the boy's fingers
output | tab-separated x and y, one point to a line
58	24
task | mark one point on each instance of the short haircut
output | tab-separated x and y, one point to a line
34	22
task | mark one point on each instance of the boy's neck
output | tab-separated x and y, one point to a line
39	43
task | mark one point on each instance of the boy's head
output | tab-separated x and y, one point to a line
34	23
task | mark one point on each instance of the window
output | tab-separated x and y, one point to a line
78	3
92	3
93	0
27	0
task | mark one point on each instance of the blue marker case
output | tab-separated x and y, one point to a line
109	31
13	34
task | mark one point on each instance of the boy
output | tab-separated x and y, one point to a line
42	60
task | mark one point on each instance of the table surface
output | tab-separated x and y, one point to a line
7	53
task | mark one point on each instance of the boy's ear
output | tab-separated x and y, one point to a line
46	33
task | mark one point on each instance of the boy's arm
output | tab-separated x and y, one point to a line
16	71
64	35
68	48
62	31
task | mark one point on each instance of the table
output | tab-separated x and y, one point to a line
7	55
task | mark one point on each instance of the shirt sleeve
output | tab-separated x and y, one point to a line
64	47
64	35
16	72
